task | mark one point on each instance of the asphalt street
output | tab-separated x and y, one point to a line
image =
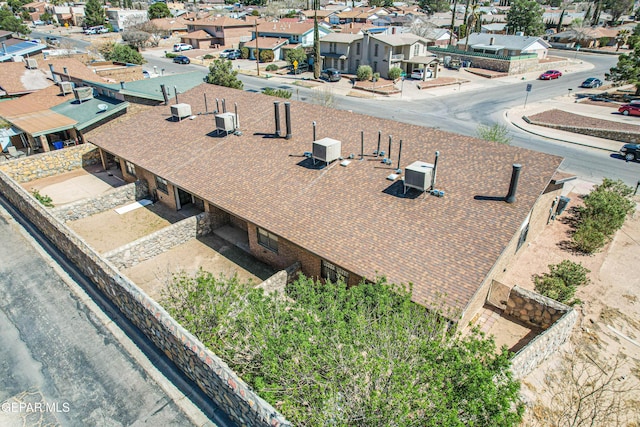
60	365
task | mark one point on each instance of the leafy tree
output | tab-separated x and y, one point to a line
617	8
158	10
364	73
266	55
434	6
93	13
221	73
121	53
605	210
394	73
8	22
136	39
562	281
621	38
155	33
24	15
496	132
526	16
627	70
46	17
328	354
296	55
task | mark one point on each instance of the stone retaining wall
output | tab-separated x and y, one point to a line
42	165
157	243
615	135
117	197
505	66
199	364
278	281
557	319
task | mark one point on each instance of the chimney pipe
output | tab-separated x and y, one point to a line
513	185
235	107
121	83
287	118
4	48
491	41
175	90
53	75
361	145
276	110
66	72
206	107
435	169
389	152
224	105
217	106
163	88
314	131
379	138
399	154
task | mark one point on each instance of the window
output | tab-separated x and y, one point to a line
357	48
333	273
416	50
130	167
268	240
333	47
375	50
161	184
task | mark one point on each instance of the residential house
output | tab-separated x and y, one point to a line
20	78
495	28
69	15
172	25
346	52
225	32
325	15
504	45
440	37
121	19
361	14
294	35
275	45
199	39
288	203
585	38
15	49
35	9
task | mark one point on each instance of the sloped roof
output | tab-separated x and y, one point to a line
341	38
266	43
510	42
42	122
286	28
351	216
171	24
36	101
16	78
220	21
75	68
198	35
402	39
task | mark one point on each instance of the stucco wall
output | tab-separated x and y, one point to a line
42	165
510	67
200	365
117	197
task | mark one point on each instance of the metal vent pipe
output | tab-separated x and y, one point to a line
379	138
399	154
276	110
224	106
235	108
53	75
389	152
435	169
513	185
361	144
314	131
287	118
206	107
175	90
165	95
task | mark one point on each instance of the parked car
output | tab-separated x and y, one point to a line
98	29
550	75
52	40
630	109
39	22
181	59
591	82
630	151
179	47
331	75
230	54
418	74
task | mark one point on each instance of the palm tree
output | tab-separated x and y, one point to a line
471	22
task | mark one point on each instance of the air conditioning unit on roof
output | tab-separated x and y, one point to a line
32	64
226	122
326	150
418	175
83	93
180	111
65	87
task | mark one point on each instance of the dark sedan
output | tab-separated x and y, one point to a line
630	151
550	75
181	59
591	82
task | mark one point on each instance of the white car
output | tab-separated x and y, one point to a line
418	74
179	47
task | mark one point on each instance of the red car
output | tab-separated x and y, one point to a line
550	75
632	109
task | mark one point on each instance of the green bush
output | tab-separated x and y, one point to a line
562	281
364	73
170	55
603	41
280	93
272	67
266	56
395	73
605	210
376	76
45	200
496	132
208	56
244	52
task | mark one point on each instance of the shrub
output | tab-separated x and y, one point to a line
603	41
376	76
497	132
266	56
272	67
562	281
45	200
170	55
280	93
364	73
244	52
208	56
605	210
395	73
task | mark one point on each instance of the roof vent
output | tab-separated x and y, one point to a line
180	111
32	64
225	122
65	87
418	175
83	93
326	150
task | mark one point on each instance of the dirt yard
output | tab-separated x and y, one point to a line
608	328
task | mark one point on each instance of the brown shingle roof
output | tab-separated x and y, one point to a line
352	216
75	68
37	101
16	78
220	21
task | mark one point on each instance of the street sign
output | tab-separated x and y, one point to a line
295	64
529	86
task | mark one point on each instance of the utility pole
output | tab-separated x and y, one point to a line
257	51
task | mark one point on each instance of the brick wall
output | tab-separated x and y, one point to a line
557	319
199	364
91	206
52	163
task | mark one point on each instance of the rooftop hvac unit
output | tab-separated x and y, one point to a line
225	122
83	93
418	175
32	64
180	111
326	150
65	87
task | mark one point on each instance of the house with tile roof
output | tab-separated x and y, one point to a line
504	45
346	52
225	32
346	195
280	37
